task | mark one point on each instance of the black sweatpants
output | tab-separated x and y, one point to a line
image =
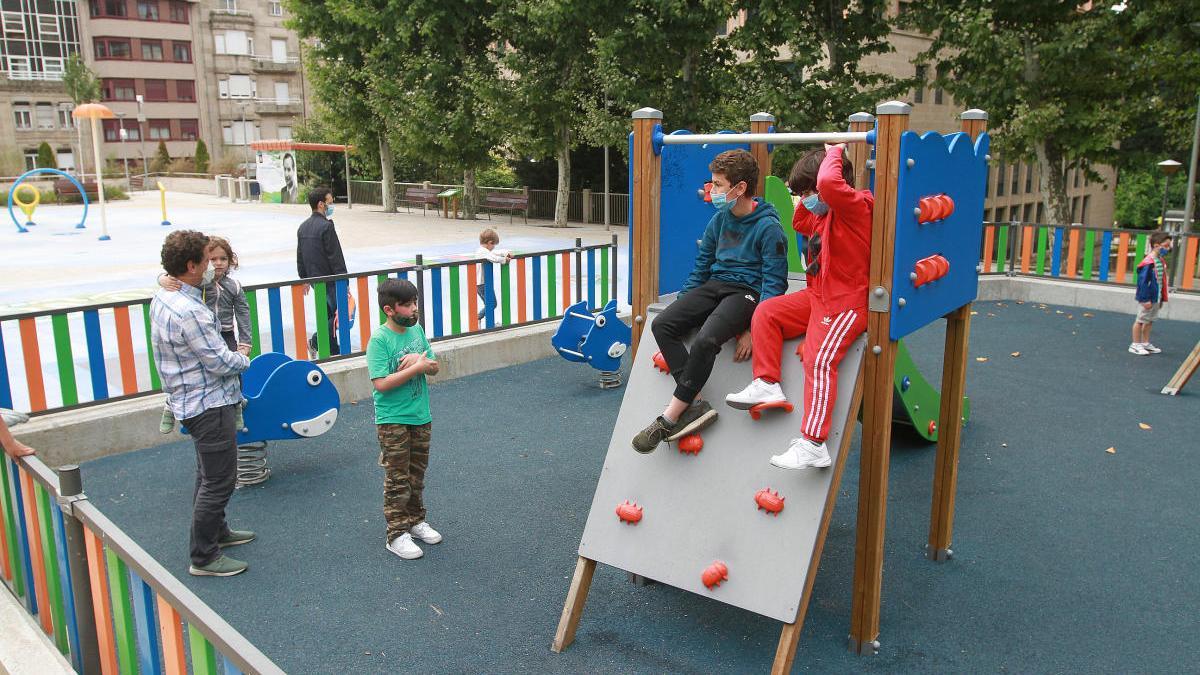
215	437
721	310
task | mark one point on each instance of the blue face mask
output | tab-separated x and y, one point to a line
721	200
815	206
329	210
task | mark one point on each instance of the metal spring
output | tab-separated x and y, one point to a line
610	379
252	466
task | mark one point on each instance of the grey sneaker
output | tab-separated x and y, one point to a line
223	566
236	537
698	416
649	438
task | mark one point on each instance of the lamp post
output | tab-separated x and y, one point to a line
96	112
124	135
1168	167
141	117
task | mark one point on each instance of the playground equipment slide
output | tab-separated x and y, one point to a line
701	521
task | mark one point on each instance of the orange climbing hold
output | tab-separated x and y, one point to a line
660	363
930	269
691	444
933	208
932	427
629	513
714	574
769	501
756	412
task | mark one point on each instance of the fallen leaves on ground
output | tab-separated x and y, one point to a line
1111	451
1015	354
981	359
1144	426
1088	314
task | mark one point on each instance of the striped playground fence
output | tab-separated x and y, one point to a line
1080	253
103	601
65	358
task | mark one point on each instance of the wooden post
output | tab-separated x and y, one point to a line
647	190
878	373
760	123
954	377
861	152
573	609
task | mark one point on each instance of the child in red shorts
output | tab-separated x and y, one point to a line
831	312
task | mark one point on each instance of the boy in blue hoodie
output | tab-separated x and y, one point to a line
1151	293
742	261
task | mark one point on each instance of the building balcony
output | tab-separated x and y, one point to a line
279	106
268	64
232	18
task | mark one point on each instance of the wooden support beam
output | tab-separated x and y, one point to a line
647	190
954	378
1185	372
573	609
880	363
760	123
859	153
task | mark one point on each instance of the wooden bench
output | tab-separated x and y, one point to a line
64	188
507	201
424	196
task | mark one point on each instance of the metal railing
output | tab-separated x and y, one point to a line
582	206
58	359
105	602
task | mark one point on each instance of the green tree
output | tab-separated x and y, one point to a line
201	156
45	157
1139	194
1052	76
83	87
162	158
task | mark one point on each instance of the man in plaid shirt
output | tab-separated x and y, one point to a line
200	376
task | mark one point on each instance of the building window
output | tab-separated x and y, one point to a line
152	50
185	90
179	12
1041	212
118	90
159	130
1083	215
19	66
276	8
1074	209
189	130
148	10
1077	174
45	116
922	76
284	133
240	86
113	48
109	8
66	159
181	52
1029	179
1016	181
64	116
13	23
112	131
1027	213
229	6
942	71
48	26
54	66
1000	180
31	160
23	116
156	90
232	42
239	133
1014	213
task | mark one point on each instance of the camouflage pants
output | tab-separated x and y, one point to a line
404	455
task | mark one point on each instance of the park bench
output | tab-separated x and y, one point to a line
507	201
423	196
67	191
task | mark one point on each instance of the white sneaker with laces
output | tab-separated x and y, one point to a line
405	547
425	533
1151	348
1135	348
757	392
802	453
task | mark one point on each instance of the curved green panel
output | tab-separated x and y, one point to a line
776	193
919	401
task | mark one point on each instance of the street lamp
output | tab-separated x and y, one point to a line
124	154
1168	167
141	117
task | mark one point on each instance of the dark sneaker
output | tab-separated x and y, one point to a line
697	416
223	566
236	537
649	438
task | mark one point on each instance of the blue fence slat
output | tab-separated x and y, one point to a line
1105	249
5	387
536	285
591	278
435	276
341	288
1056	252
31	599
145	625
68	593
489	296
275	309
95	349
230	669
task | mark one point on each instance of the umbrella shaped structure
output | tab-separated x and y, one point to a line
96	112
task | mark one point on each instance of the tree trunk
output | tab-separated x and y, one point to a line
470	194
1054	181
388	183
563	197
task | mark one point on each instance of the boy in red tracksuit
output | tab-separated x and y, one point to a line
831	312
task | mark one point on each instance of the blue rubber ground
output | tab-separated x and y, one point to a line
1067	558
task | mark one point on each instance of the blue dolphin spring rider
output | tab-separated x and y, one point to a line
598	340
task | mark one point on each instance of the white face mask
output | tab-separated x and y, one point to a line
209	275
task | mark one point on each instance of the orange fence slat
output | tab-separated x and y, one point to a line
101	603
298	325
522	309
170	628
1072	252
566	282
987	247
473	296
364	312
1122	254
36	558
1189	262
125	350
1026	248
33	364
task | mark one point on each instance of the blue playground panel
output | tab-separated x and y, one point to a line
948	165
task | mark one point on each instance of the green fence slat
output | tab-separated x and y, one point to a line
321	302
379	279
1043	234
10	530
154	381
1089	252
122	613
204	659
53	581
604	276
506	294
1138	253
66	360
1002	248
455	292
551	285
255	339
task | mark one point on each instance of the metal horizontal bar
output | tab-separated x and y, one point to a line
40	472
774	139
227	640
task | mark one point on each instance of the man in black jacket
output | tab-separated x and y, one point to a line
319	254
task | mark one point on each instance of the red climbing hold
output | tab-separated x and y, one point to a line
691	444
629	512
756	411
932	427
769	501
714	574
660	363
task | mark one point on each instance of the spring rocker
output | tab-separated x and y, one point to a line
598	340
656	515
285	400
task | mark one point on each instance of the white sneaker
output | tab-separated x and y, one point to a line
425	533
802	453
1135	348
405	547
757	392
1151	348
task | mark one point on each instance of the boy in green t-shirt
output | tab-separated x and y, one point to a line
398	359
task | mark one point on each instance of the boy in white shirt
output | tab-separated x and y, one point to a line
488	240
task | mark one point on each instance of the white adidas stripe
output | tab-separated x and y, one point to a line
825	355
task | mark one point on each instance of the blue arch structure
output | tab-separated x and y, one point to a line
13	190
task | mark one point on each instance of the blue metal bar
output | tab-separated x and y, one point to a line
1105	249
68	593
1056	252
341	289
146	626
436	276
275	309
